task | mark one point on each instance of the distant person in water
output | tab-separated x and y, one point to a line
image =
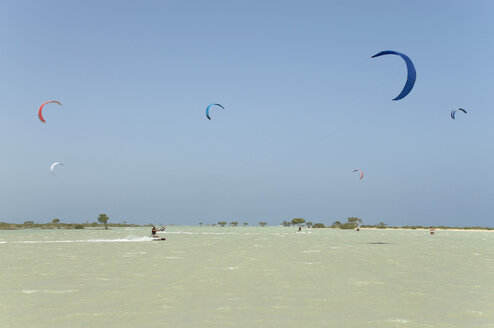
432	230
153	232
299	229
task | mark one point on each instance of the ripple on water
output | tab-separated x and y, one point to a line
312	251
225	268
90	314
310	263
368	283
397	320
475	313
60	291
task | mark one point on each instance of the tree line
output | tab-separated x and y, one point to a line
103	221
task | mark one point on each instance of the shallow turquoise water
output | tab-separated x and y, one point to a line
246	277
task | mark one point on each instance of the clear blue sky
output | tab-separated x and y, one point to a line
305	105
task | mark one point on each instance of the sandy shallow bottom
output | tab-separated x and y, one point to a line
246	277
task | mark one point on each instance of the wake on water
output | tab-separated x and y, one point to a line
116	240
131	238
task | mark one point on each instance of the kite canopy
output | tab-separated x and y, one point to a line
361	173
209	106
40	112
52	167
411	75
453	112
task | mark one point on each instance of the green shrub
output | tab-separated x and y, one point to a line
298	221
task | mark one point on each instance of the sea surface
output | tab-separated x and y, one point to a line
246	277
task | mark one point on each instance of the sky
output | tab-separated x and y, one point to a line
304	102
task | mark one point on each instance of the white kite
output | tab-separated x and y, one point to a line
52	167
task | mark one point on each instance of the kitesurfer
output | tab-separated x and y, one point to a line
299	229
153	232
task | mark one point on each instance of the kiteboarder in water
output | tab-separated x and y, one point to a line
153	232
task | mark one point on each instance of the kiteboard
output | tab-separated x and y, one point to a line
158	239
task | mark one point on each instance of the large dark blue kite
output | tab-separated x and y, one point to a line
411	72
